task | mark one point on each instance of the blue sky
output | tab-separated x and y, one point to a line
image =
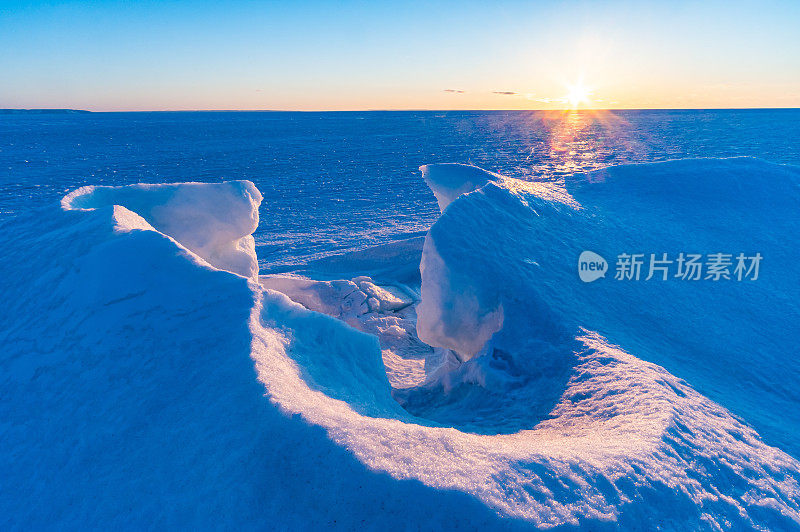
393	55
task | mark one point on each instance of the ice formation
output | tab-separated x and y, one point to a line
216	223
450	180
132	328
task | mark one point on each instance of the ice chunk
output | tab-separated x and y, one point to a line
389	297
373	304
340	299
213	220
449	180
455	312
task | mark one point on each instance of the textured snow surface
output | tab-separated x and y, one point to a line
131	398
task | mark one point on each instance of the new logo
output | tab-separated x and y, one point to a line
591	266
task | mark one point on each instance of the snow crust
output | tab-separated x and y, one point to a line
131	399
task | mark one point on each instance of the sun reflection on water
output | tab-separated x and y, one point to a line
577	141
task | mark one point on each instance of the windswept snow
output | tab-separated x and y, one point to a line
627	444
135	318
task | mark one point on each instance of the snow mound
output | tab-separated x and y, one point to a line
214	221
506	250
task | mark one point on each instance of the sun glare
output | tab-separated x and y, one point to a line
578	95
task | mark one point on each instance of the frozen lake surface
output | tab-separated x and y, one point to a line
334	182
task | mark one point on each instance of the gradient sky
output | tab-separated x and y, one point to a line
397	55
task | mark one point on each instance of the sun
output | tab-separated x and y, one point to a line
578	95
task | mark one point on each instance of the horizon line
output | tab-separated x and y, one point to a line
589	109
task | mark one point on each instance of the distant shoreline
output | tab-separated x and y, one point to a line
42	111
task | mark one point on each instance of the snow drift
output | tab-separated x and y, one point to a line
511	249
130	341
